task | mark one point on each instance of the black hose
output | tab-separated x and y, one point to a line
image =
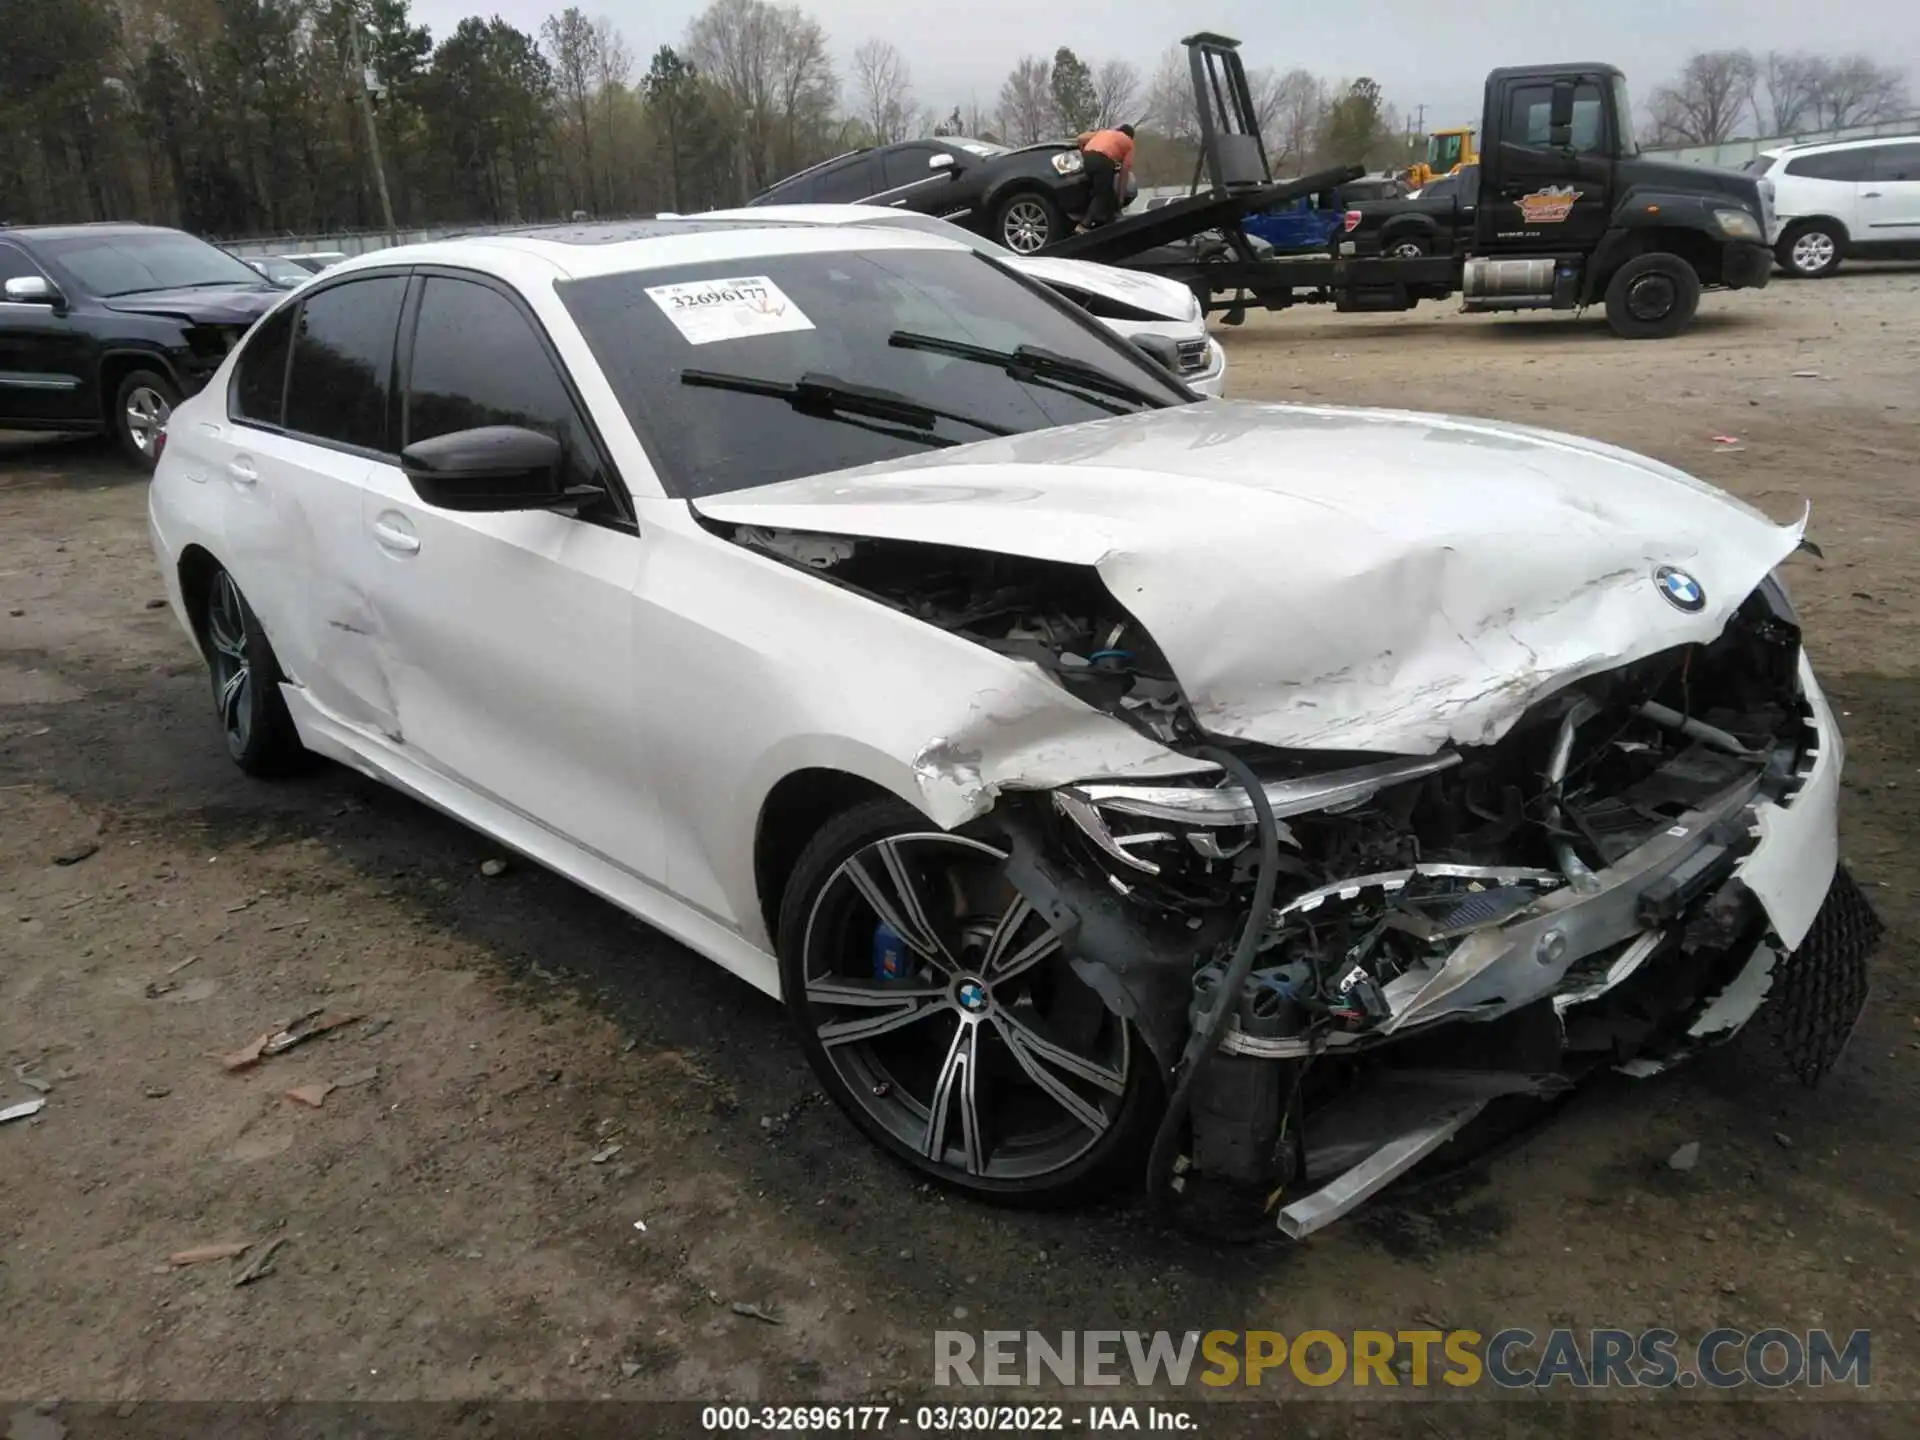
1204	1043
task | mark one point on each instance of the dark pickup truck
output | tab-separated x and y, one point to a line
1427	222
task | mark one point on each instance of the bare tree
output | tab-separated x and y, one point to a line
570	45
771	65
1792	83
1292	106
883	89
1170	103
1705	103
1026	102
1854	90
1116	88
612	68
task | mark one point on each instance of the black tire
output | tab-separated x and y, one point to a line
1028	221
988	1008
1652	297
1810	250
246	678
142	402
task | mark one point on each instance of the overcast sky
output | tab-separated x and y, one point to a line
1430	52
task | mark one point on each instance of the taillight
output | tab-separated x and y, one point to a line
159	443
1351	220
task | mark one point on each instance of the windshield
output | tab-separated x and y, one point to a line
1759	165
130	264
1623	117
980	147
838	320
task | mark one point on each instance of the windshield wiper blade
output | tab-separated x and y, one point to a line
815	394
1031	361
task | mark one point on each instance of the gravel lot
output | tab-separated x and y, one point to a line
448	1231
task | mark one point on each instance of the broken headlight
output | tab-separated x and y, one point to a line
1069	162
1110	813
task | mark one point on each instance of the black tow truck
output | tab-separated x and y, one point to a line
1567	213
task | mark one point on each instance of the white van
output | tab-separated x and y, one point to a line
1843	198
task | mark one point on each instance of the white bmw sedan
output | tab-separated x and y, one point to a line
1128	302
1112	785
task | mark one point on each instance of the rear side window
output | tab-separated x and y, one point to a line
478	361
1759	164
260	374
1831	165
1896	162
343	362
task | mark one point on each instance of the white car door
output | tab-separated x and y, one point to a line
509	635
305	432
1890	196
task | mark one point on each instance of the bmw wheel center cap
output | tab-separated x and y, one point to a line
1680	590
973	996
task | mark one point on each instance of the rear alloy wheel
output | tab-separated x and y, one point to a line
1652	297
940	1013
1809	251
141	408
246	685
1028	222
1406	247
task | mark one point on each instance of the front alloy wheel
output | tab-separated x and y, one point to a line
1810	252
942	1015
1026	224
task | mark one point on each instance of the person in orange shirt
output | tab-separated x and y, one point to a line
1108	156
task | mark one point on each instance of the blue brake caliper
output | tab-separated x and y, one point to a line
889	953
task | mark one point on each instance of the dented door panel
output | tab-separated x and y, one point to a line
503	641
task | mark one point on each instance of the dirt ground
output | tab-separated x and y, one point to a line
459	1223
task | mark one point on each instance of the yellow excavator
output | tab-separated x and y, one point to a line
1447	152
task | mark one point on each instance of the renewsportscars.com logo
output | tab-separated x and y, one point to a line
1512	1359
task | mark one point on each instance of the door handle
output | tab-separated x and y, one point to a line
392	537
242	472
1871	195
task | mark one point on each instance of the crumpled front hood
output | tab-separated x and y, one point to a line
1163	297
240	305
1333	578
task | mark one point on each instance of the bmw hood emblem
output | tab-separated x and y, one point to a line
1680	590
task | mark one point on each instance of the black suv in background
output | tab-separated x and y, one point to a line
1026	199
106	327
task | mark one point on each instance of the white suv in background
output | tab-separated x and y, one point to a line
1857	199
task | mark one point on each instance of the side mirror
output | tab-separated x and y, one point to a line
492	468
941	160
1560	116
1161	350
32	290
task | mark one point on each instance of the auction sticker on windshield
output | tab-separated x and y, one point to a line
708	310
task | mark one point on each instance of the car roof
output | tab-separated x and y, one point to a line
1806	147
99	227
578	251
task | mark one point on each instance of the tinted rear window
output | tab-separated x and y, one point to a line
835	314
343	362
1831	165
